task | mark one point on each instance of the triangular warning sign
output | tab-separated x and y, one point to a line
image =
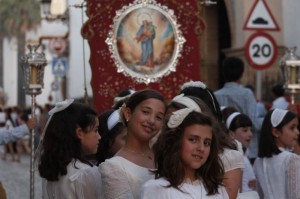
260	18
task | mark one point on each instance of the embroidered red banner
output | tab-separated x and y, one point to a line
106	82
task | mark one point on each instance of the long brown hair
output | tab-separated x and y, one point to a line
168	162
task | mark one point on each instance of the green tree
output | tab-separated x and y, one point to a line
16	18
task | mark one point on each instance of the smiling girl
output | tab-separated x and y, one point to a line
277	170
122	175
187	161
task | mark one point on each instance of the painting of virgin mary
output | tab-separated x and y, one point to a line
145	41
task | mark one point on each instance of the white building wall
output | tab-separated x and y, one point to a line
75	77
291	24
10	67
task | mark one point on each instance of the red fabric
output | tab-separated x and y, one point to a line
107	83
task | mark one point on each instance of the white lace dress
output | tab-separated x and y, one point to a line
122	179
278	176
83	182
157	189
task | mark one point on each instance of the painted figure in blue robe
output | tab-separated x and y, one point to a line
146	35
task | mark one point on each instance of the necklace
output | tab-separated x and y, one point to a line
145	154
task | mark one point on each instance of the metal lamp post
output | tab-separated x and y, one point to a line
290	66
33	68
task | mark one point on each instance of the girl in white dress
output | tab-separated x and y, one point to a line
232	159
70	135
277	170
240	129
123	175
186	160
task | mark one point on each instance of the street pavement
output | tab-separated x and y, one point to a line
15	178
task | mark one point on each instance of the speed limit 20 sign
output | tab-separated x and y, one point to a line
261	50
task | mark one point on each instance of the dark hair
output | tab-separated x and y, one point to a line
9	116
228	110
233	69
278	90
61	144
267	146
208	97
121	98
167	152
223	139
250	87
107	136
119	103
136	98
241	120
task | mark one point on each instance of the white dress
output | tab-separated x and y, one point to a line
157	189
81	183
279	176
248	174
233	159
122	179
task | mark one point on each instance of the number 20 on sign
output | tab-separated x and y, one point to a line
261	50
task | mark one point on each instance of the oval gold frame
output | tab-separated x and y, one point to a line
126	49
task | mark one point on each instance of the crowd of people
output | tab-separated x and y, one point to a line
200	144
11	117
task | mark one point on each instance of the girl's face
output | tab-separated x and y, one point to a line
118	142
288	135
146	120
243	135
89	140
196	142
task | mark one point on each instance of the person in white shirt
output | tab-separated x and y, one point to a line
14	134
279	98
123	175
240	129
71	134
232	159
186	159
277	170
234	94
11	135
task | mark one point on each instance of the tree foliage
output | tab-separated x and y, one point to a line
18	16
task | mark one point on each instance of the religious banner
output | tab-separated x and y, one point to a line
142	44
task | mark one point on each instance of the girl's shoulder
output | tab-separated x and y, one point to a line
291	158
160	182
81	172
232	159
155	188
119	161
121	166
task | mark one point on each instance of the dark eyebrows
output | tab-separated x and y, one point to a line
198	137
149	108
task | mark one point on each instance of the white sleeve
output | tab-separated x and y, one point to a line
293	176
232	159
114	181
87	183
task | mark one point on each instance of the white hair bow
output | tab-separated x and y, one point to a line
59	106
178	116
